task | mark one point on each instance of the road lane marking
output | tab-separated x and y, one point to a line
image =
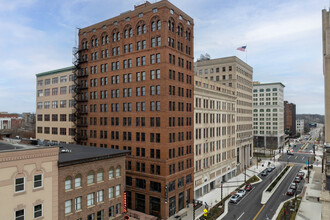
259	212
303	158
240	216
296	158
289	157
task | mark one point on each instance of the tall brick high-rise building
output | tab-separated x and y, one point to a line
289	118
135	92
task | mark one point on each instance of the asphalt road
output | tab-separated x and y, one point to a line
280	194
250	205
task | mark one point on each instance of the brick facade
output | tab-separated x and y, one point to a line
149	103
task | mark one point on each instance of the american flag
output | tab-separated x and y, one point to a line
242	48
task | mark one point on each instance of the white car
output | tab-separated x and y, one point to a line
241	192
235	198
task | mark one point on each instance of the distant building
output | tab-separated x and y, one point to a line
289	118
10	121
300	124
55	106
215	135
29	182
235	73
29	120
268	114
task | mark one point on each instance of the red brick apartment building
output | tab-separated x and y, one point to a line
135	92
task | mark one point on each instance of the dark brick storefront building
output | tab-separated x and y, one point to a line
135	92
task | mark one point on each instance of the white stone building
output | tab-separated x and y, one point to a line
268	115
215	135
300	126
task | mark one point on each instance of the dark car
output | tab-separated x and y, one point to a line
289	153
290	192
264	173
248	187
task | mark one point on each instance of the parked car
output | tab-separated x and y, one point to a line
264	173
290	192
289	153
301	174
293	185
297	179
241	192
235	198
273	166
269	169
248	187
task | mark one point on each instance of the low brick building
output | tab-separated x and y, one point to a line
91	183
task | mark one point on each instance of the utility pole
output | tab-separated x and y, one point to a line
308	170
221	191
194	207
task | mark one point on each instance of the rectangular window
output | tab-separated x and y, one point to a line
37	181
110	192
19	215
19	184
37	211
99	196
117	190
90	199
77	203
68	205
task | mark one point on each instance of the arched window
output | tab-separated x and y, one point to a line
103	40
106	39
130	32
169	25
118	36
77	181
99	176
118	171
96	42
138	31
159	25
126	34
68	183
111	173
114	37
90	177
144	29
153	26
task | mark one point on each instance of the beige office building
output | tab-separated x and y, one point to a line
54	114
215	135
28	183
325	194
233	72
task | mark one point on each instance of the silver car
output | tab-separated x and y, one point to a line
241	192
235	198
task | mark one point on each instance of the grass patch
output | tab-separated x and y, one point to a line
219	208
289	209
270	188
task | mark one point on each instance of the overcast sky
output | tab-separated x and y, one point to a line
283	37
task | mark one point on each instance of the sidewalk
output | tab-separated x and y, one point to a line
214	196
310	207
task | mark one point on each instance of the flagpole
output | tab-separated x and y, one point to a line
246	54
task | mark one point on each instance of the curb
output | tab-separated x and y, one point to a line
279	209
266	195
